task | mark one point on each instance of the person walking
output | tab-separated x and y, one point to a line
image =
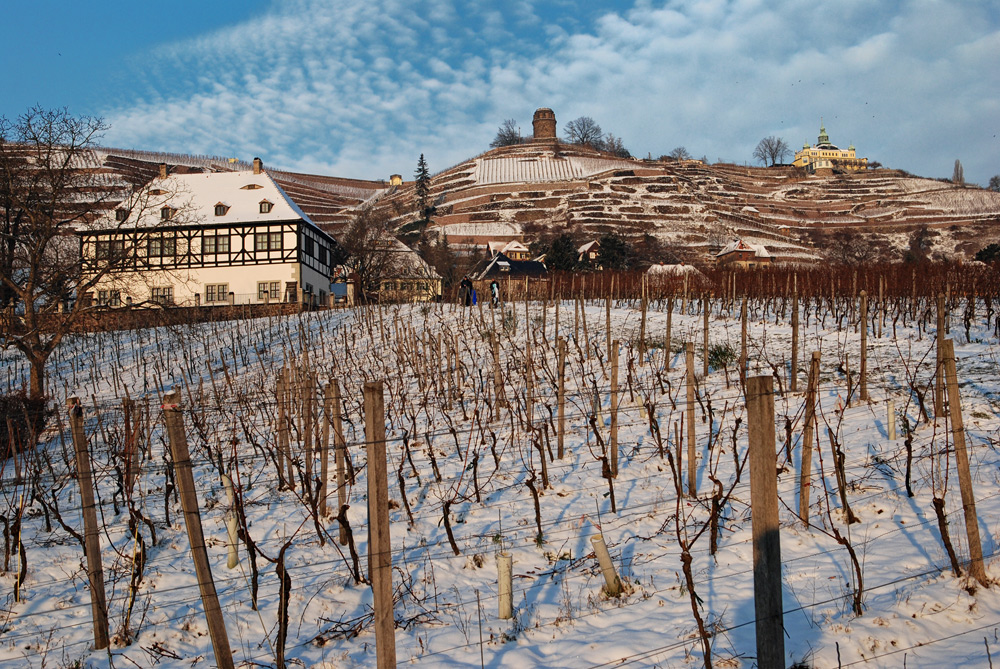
465	291
494	293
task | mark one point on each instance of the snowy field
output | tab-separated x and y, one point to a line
454	448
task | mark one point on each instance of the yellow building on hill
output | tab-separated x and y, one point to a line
824	157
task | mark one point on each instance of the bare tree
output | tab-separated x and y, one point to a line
958	174
995	183
508	134
615	146
771	150
680	153
49	187
450	265
585	130
848	247
373	252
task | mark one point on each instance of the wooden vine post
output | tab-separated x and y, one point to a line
561	436
705	306
666	337
808	430
976	567
306	388
863	325
939	370
642	322
174	420
794	381
743	342
339	454
607	324
614	408
282	427
498	395
324	450
764	521
881	305
692	464
529	378
379	544
91	530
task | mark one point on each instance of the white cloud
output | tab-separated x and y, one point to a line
362	88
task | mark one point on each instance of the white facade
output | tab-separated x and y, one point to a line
209	238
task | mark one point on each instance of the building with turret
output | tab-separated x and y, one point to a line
823	157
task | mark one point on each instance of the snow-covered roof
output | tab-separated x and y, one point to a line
407	263
500	265
548	167
194	199
507	247
586	248
739	245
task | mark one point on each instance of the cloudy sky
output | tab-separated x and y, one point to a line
361	87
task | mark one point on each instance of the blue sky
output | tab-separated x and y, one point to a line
360	89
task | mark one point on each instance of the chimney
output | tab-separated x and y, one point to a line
257	165
163	170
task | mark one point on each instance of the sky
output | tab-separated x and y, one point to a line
361	88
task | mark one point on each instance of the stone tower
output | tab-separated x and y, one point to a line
544	124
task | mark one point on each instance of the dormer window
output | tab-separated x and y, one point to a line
265	206
251	187
157	191
221	209
120	215
166	213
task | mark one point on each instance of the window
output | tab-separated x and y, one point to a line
310	247
271	289
221	209
163	295
267	241
265	206
120	215
322	255
161	246
213	244
166	213
251	187
216	292
109	298
109	249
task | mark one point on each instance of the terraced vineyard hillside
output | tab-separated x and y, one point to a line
695	208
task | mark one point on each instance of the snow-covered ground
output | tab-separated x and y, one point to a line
916	612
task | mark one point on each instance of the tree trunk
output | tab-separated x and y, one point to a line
36	378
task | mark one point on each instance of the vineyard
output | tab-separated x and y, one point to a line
566	480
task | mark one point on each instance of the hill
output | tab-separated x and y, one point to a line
694	208
537	190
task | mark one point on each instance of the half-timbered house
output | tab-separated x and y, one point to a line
209	238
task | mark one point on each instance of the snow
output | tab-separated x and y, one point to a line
196	195
481	229
915	610
541	168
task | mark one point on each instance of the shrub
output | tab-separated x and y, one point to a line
23	420
989	253
721	355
